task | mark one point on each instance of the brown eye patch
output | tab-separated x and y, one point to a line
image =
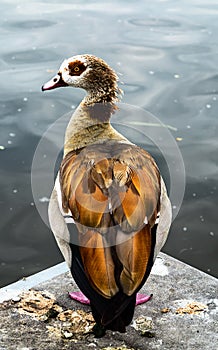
76	68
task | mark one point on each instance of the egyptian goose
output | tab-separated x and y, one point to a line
112	192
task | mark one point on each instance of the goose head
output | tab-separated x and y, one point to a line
90	73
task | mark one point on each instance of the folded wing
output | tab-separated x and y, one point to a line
113	192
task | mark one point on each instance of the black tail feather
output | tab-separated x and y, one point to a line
118	313
120	306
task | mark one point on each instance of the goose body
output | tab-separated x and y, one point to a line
111	191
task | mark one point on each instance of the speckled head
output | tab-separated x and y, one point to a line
90	73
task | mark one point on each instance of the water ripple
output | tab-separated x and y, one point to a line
33	24
30	56
157	22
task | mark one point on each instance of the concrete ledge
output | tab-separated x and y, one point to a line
13	290
173	284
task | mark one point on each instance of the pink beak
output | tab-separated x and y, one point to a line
54	83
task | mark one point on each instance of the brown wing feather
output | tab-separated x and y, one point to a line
131	207
98	264
134	254
90	201
112	190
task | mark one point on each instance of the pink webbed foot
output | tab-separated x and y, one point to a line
142	298
81	298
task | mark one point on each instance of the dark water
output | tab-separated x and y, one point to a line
166	52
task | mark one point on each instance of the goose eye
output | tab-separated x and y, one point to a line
76	67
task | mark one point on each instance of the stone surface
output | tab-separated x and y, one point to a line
181	315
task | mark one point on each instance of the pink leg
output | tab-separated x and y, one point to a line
79	296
